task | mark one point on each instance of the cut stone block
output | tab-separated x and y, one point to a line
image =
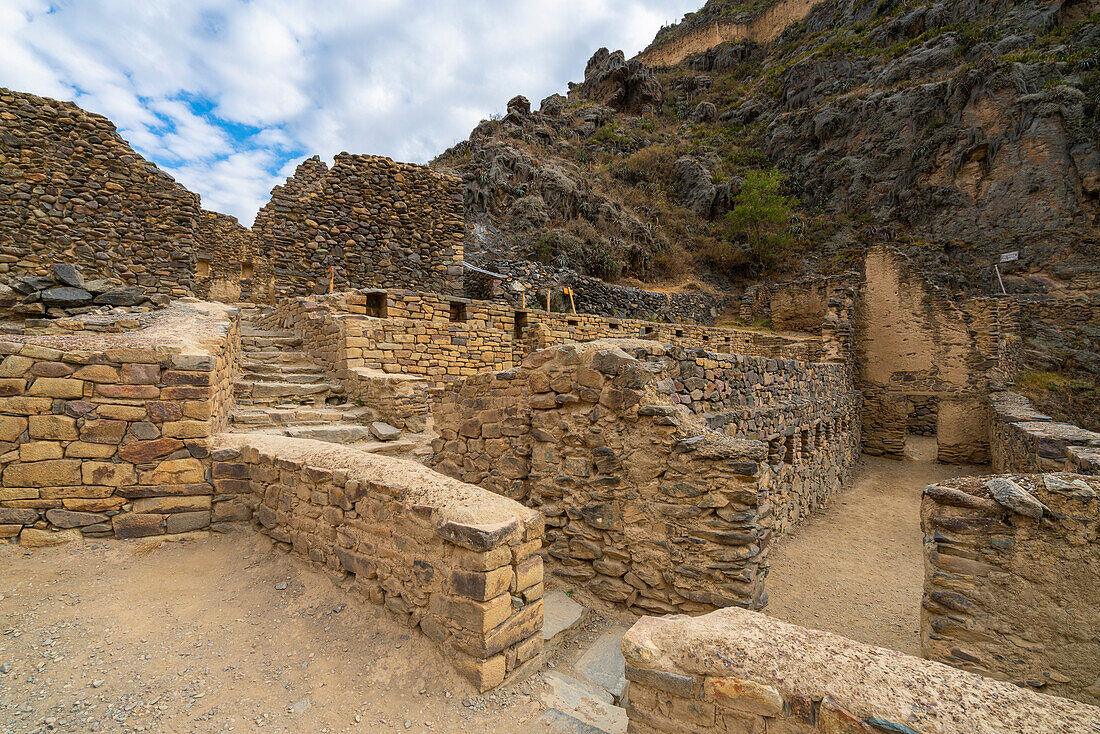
586	704
559	614
603	663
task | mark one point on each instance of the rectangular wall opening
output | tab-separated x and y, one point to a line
519	323
377	305
246	269
458	311
202	267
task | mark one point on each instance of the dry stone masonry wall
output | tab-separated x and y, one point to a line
378	223
739	672
528	282
73	191
453	560
1012	580
1025	440
110	435
229	266
644	503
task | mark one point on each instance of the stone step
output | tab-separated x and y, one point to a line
603	664
256	391
577	707
247	331
350	434
272	355
259	342
343	433
297	415
303	367
559	614
281	376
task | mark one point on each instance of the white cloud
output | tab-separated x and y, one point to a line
230	96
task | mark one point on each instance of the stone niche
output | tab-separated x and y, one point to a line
1012	580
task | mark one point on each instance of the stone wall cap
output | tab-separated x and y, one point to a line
461	504
869	681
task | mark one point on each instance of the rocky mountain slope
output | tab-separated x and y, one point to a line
955	129
772	139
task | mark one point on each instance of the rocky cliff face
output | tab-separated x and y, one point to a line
954	129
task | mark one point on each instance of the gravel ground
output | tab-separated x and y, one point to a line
856	568
219	633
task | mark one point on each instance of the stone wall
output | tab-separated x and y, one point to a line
1024	440
72	190
1012	580
109	434
542	329
644	503
378	223
460	564
911	341
417	333
739	672
797	305
527	283
229	266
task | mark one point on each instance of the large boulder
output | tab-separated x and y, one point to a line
626	86
67	274
129	295
64	296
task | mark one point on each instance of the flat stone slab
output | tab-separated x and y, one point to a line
336	433
582	708
559	613
603	663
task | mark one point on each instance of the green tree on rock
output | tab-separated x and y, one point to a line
762	215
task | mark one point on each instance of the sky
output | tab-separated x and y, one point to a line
229	96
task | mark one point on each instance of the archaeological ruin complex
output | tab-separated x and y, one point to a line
337	378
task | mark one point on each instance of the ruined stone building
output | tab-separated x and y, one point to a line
653	465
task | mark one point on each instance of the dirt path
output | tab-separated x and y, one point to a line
855	568
198	637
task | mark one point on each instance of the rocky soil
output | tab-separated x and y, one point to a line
829	575
220	633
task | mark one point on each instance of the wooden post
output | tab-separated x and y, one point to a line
331	278
569	292
547	299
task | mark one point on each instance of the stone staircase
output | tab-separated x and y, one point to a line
282	390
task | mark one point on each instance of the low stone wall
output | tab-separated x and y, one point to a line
442	338
544	329
459	563
644	503
109	435
1012	580
739	672
527	283
1024	440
